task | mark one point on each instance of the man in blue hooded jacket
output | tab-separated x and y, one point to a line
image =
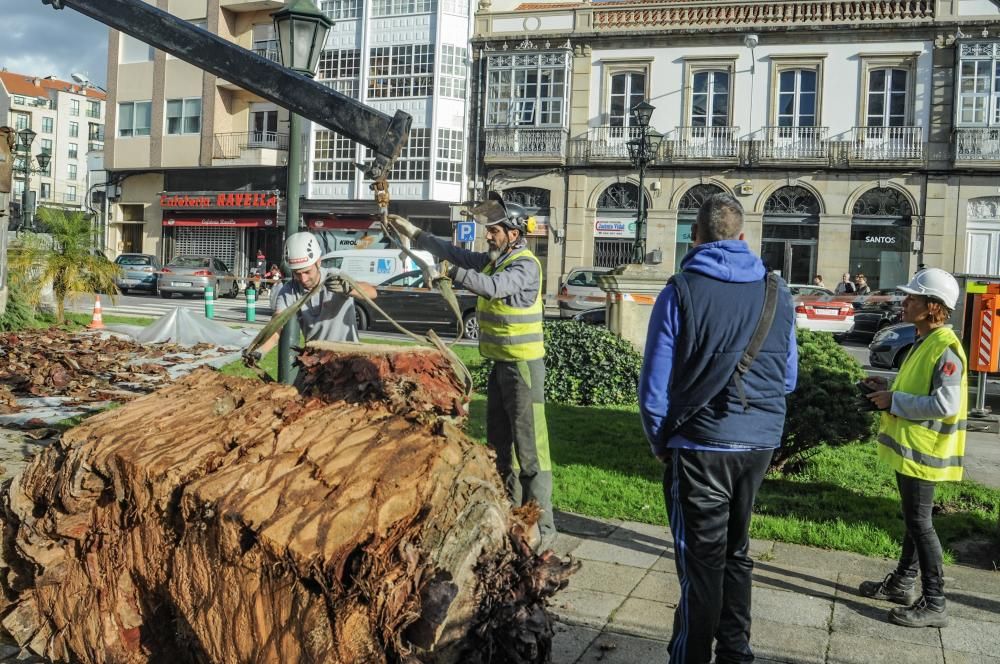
715	436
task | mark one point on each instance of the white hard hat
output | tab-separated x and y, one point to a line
935	283
301	251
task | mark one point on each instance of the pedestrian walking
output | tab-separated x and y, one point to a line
922	438
329	315
261	261
508	281
861	286
720	357
845	287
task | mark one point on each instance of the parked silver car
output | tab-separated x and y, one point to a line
580	291
139	272
189	275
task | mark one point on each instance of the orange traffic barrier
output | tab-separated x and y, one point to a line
96	323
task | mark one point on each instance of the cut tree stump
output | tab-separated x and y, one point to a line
221	519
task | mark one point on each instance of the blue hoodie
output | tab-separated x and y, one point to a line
729	261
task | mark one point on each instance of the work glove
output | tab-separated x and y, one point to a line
403	227
251	358
333	283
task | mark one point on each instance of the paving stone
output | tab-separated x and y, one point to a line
953	657
564	544
606	577
761	549
612	648
656	536
782	642
643	617
570	642
966	604
857	649
970	578
659	587
791	608
854	614
616	551
807	557
584	526
585	607
812	582
665	563
971	636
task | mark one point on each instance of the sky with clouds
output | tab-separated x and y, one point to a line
41	41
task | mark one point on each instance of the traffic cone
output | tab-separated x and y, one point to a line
96	323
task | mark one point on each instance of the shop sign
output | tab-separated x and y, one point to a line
614	228
880	239
221	222
220	200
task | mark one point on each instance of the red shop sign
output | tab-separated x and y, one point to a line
221	221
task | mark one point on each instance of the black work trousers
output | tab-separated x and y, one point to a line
710	497
517	431
921	546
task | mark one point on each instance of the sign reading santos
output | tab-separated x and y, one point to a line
880	239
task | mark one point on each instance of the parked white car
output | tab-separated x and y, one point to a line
374	265
580	291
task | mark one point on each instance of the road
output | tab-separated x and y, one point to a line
152	306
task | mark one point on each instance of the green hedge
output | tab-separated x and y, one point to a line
585	365
19	314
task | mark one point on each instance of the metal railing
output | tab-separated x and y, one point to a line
795	143
704	143
232	145
887	143
96	115
611	142
269	51
530	142
977	144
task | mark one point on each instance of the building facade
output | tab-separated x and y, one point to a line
179	134
68	120
860	137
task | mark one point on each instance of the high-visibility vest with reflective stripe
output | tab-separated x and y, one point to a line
507	333
931	449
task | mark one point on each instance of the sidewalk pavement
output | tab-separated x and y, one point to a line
618	609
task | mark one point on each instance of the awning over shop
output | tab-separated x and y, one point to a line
220	221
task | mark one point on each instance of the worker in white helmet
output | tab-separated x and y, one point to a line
922	438
329	315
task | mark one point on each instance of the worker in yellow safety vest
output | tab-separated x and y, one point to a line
508	281
922	438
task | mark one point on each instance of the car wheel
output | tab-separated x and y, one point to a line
234	290
165	295
897	361
123	291
470	326
360	318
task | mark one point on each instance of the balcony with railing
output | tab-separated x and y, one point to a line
887	144
794	144
703	143
267	50
610	143
250	148
525	144
977	144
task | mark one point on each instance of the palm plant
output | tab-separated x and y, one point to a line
63	256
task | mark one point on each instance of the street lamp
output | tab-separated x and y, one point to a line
301	30
642	152
22	165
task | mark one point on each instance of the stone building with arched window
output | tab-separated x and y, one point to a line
858	136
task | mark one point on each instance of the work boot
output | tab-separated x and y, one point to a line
926	612
893	588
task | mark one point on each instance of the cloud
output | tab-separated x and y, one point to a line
41	41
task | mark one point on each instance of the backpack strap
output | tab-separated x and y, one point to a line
763	328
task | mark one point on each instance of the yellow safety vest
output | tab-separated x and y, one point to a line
932	449
507	333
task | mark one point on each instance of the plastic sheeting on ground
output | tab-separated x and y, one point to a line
182	326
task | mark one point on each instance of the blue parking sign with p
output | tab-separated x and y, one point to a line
465	231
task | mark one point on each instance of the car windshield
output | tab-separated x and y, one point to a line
134	260
190	261
584	278
408	279
334	262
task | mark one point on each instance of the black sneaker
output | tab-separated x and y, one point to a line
890	588
924	613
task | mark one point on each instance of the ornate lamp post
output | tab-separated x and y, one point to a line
22	165
301	29
642	152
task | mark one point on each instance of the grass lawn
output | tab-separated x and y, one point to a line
842	499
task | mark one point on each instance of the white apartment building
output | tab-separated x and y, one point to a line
860	136
68	119
187	147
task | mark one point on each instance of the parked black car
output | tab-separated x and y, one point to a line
872	316
891	344
410	303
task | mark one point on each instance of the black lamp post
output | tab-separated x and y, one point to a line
301	30
22	165
642	152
